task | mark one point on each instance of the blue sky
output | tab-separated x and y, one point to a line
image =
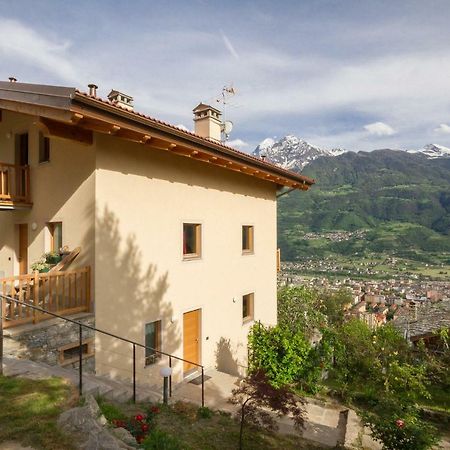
358	74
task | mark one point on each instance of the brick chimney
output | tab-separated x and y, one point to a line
207	121
121	99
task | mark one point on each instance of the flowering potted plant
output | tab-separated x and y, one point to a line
46	262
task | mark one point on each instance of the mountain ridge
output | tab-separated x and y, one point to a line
400	199
293	153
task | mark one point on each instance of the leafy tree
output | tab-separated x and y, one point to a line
334	305
300	309
281	354
261	403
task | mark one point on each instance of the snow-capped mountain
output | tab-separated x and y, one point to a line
291	152
433	151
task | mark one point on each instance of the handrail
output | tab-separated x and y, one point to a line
82	325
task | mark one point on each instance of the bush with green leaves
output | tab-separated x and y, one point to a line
399	427
285	357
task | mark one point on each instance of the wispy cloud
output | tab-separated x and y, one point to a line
25	45
379	129
292	78
229	45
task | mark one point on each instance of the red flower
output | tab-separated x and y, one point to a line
155	410
139	417
139	439
400	423
145	427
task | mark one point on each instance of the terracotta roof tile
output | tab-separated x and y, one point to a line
190	133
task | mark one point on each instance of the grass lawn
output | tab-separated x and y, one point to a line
29	410
218	432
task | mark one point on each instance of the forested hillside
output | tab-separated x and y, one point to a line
401	200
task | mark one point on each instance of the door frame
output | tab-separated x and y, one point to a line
200	333
20	227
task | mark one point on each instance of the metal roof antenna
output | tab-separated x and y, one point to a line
227	125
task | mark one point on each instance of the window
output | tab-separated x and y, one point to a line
44	148
247	239
192	237
71	352
152	340
56	242
247	307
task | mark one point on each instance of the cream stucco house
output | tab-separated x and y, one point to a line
177	231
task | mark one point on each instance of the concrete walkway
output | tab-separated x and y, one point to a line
324	422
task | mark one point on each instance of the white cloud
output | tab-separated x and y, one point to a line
443	128
239	143
229	45
25	45
379	129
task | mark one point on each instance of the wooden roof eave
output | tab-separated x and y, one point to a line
184	144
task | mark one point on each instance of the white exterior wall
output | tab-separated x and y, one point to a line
62	190
143	197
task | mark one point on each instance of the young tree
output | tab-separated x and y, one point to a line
300	309
261	404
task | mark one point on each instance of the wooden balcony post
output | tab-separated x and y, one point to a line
36	296
27	186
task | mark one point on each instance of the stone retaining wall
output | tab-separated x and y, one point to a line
47	340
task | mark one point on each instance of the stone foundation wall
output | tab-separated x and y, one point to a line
47	340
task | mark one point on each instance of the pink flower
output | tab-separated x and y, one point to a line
400	423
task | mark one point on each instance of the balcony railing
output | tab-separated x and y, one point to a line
14	185
67	292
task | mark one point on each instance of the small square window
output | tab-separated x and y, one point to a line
71	353
248	307
247	239
56	242
152	340
192	238
44	148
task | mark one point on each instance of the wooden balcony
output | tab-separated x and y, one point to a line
14	187
64	293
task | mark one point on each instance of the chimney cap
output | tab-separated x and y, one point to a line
204	107
92	89
120	99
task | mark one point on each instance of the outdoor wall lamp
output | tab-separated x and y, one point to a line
166	372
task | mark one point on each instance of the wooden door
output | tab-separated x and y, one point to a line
191	338
23	249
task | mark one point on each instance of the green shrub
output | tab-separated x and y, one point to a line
400	428
286	357
110	411
204	412
160	440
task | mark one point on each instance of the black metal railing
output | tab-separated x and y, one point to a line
107	333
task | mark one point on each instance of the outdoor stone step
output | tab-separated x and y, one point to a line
116	390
